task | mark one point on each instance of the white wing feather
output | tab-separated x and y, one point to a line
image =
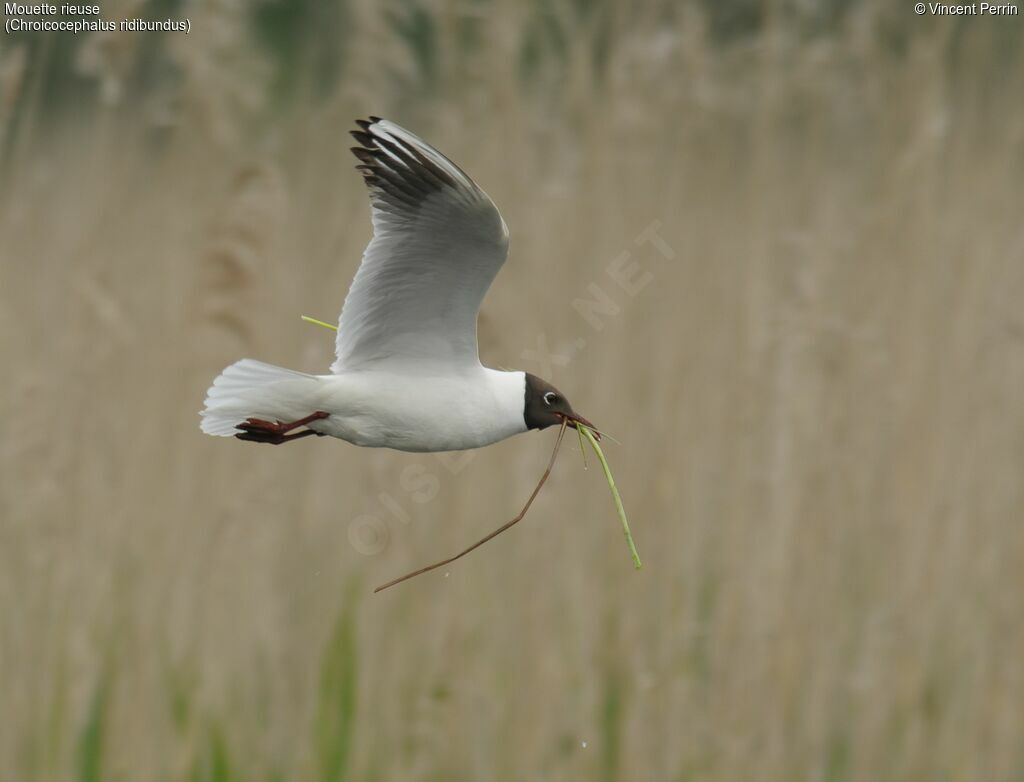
438	242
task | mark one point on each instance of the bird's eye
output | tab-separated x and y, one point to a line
550	398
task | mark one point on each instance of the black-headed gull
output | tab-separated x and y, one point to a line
407	373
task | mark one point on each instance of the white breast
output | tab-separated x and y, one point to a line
422	411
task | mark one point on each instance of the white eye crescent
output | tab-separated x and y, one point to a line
550	397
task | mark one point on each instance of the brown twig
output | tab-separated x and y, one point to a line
496	532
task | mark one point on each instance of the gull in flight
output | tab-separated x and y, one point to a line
407	373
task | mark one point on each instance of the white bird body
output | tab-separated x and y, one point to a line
407	373
417	413
379	408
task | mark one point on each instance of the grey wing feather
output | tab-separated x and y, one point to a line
438	242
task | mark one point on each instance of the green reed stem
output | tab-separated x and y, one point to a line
615	494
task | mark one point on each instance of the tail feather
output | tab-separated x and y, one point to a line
252	389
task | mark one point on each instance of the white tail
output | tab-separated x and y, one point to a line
252	389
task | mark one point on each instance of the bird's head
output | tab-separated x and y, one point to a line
546	406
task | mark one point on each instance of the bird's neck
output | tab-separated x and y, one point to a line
509	390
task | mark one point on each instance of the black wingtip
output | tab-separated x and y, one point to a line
363	138
364	155
399	175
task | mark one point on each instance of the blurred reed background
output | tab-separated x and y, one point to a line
815	368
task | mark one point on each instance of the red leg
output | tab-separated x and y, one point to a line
280	427
274	439
276	432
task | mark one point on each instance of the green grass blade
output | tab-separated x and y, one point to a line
336	715
91	739
308	319
583	450
615	494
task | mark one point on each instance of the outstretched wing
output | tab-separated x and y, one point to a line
438	242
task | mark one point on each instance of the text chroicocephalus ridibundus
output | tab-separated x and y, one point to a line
407	374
